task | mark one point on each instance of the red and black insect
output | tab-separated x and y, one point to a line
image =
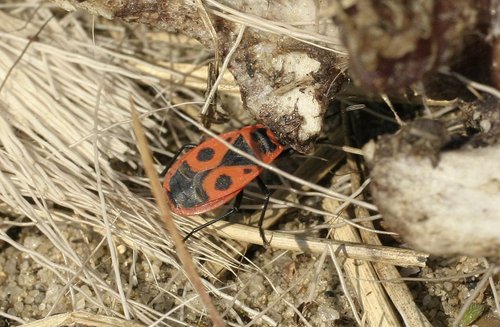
210	174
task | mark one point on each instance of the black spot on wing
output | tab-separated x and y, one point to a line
266	145
247	171
223	182
186	187
205	154
233	159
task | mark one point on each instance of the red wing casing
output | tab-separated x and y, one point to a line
210	174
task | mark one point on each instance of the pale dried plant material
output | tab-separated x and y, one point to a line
161	200
442	202
65	118
465	186
376	307
64	114
287	241
398	293
54	132
289	64
84	318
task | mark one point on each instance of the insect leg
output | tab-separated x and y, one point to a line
235	209
267	195
177	154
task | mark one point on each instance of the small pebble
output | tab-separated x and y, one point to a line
19	306
448	286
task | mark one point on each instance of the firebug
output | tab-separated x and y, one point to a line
209	175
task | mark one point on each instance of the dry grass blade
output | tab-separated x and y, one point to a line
276	27
80	238
50	137
371	297
398	293
285	241
161	200
81	318
191	75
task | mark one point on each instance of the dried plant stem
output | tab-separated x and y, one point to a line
475	85
194	77
161	200
263	24
347	294
106	220
399	293
20	57
82	318
386	99
494	291
223	69
370	295
285	241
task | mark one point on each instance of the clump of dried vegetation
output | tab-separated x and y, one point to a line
83	241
